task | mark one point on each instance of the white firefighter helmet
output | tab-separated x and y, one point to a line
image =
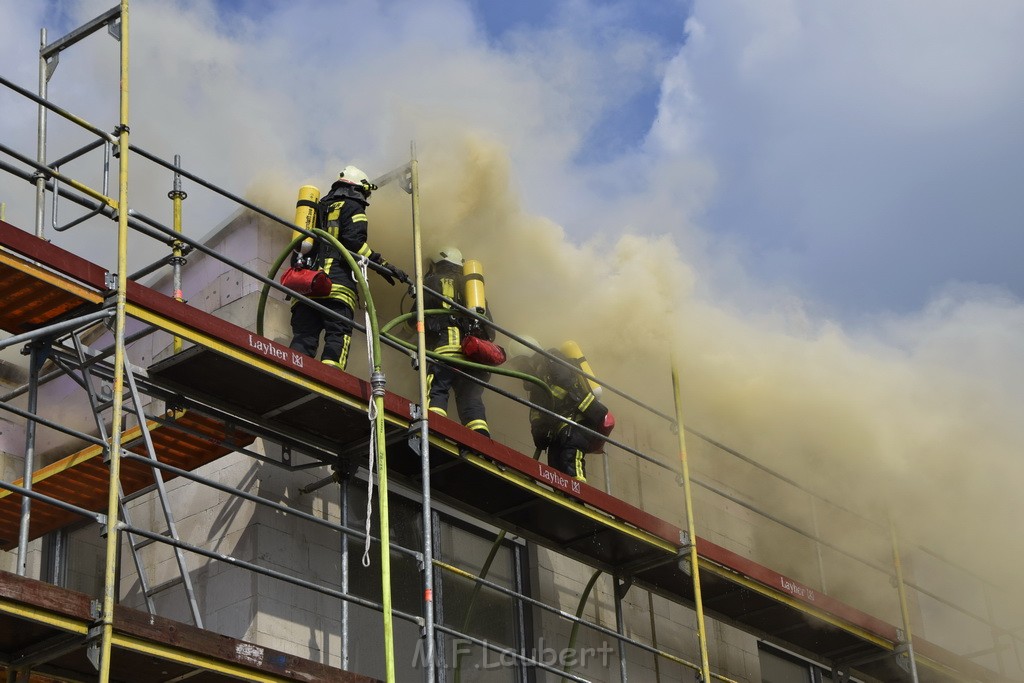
355	176
448	255
517	350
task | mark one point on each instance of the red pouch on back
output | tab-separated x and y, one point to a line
307	281
607	425
482	351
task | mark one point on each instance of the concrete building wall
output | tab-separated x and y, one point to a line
648	618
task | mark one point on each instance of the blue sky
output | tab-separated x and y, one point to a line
624	125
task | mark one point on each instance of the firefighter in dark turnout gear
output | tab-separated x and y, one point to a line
571	397
342	214
444	335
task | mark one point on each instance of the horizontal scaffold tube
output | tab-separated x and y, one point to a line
58	110
55	328
252	498
96	207
43	498
281	576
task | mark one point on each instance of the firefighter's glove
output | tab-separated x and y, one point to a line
400	275
386	270
542	437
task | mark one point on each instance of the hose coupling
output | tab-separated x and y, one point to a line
377	382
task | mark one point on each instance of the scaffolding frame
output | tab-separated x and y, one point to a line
48	177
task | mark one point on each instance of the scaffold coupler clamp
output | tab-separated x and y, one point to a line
622	586
345	469
406	181
683	554
115	146
95	633
414	435
43	351
175	260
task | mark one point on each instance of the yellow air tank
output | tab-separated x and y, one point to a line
573	352
305	214
473	273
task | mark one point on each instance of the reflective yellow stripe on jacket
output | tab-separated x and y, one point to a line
454	344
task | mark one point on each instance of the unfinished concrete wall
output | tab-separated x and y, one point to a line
647	618
209	519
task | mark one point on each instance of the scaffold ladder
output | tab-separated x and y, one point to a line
137	542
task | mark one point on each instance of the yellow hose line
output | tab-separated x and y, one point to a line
373	329
385	542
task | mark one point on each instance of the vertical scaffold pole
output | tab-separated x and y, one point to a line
344	573
698	604
421	362
34	364
902	591
620	626
177	196
44	79
113	535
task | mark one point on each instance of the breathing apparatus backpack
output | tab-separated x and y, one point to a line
304	276
475	344
596	415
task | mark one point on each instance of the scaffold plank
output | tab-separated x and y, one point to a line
188	441
145	647
34	297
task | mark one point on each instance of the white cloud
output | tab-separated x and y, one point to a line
866	150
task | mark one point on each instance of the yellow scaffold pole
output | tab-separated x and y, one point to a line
698	604
904	610
113	536
177	196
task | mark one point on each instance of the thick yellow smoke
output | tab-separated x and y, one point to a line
864	425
